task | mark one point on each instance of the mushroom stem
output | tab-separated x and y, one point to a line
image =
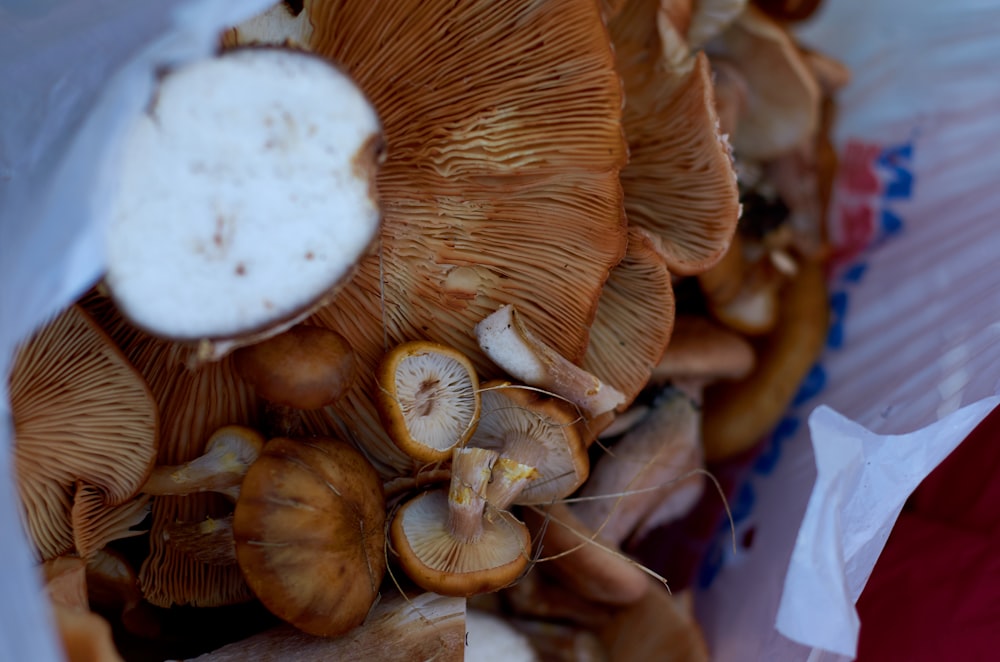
510	478
504	337
228	454
471	469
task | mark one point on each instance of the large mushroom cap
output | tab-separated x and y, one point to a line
81	412
500	185
246	194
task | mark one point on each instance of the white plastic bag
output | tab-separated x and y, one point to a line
70	73
915	339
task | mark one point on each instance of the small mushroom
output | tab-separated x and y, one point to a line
81	413
85	636
649	476
701	352
505	338
783	103
309	531
428	398
228	455
306	367
539	434
95	523
445	541
200	247
583	561
737	414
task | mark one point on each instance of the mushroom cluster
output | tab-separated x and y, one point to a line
447	299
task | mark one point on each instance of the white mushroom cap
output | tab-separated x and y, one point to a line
246	193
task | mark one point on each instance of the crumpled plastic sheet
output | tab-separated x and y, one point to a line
72	74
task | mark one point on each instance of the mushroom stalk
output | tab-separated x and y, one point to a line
470	476
228	455
510	478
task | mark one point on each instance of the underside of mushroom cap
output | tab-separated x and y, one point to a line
536	430
438	561
680	183
635	318
783	104
81	412
195	400
500	185
245	196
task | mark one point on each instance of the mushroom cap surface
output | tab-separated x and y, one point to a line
309	531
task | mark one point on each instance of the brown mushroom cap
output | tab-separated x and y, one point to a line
81	412
428	398
309	530
306	367
679	183
537	431
500	185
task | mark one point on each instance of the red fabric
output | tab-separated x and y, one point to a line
935	592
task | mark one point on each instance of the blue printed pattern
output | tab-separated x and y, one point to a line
870	180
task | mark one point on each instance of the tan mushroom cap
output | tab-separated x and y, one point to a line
195	400
306	367
309	530
784	96
81	412
535	430
428	398
679	183
635	317
500	185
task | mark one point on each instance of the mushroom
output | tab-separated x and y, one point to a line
95	524
539	435
228	455
635	317
701	352
113	588
309	532
649	477
81	413
582	560
446	543
195	399
784	97
227	146
210	541
500	184
737	414
306	367
85	636
505	338
679	182
710	17
279	25
428	398
426	626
